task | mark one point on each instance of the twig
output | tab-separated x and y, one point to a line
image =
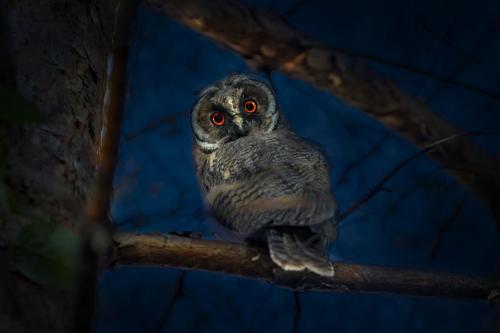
373	149
293	8
445	226
296	317
158	123
419	71
469	57
380	185
479	45
258	309
178	291
254	262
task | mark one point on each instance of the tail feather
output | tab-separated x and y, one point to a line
316	258
296	250
292	252
279	253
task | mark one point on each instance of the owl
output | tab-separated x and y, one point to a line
259	178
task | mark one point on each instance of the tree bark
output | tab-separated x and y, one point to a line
254	262
269	43
57	55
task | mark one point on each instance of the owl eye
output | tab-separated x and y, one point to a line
218	118
250	106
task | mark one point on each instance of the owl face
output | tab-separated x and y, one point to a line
232	108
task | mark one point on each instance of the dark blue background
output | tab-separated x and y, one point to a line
156	190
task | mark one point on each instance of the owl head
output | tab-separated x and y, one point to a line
231	108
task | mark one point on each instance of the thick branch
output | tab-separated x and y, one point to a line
254	262
95	235
270	43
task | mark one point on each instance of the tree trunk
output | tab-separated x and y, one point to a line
57	58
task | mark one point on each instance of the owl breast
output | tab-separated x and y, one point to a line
237	160
274	178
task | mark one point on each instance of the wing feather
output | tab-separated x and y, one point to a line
271	198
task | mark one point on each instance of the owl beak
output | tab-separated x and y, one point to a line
240	129
238	120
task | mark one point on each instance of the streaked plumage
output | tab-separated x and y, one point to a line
258	176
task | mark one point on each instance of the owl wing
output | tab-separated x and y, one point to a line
292	193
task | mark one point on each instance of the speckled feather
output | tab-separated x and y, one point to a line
258	176
242	180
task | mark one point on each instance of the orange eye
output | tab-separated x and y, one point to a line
250	106
218	118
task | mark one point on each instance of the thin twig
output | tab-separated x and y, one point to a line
293	8
380	185
258	309
469	57
373	149
178	292
419	71
445	226
169	119
296	317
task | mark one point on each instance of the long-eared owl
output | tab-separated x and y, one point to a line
261	178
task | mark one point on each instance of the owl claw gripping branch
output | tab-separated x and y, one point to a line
261	178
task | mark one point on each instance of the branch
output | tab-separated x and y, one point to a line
268	42
446	225
95	234
254	262
298	312
380	185
178	292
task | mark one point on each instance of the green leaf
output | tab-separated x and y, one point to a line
15	108
46	253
